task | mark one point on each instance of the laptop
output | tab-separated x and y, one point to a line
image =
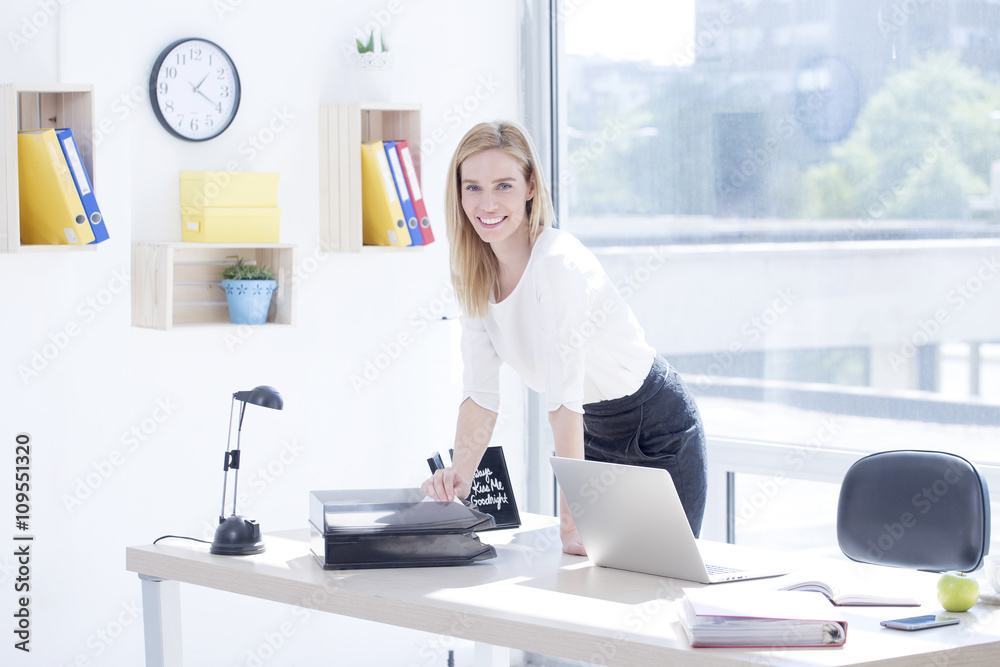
631	518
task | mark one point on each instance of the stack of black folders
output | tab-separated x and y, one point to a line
370	528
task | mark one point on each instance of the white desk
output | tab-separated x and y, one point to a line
535	598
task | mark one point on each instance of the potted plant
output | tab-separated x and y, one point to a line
373	67
249	289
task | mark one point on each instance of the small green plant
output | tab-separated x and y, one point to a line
243	271
369	46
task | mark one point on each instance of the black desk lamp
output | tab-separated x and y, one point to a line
238	535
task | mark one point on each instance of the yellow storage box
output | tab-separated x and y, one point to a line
229	188
230	224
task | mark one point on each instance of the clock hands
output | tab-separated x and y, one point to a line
206	97
196	89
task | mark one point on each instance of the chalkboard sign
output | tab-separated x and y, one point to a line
491	489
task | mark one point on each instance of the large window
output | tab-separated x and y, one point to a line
801	200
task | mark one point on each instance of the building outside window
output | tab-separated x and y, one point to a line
801	202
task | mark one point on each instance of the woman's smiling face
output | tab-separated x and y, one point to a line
495	194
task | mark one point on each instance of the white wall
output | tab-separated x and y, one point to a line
128	425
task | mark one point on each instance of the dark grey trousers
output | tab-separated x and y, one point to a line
658	426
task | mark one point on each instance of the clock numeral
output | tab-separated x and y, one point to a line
180	120
195	54
194	124
208	121
168	106
224	91
218	107
161	88
181	59
170	72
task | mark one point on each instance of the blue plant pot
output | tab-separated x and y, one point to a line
249	300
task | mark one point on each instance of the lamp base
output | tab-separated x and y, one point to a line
237	536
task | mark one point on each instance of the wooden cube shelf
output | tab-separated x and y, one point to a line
31	107
342	128
177	283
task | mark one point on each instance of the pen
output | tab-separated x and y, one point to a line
435	462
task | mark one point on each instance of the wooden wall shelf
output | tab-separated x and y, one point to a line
29	107
177	283
342	128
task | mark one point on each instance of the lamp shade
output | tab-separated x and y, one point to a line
264	396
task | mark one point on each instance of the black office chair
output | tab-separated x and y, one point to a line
914	509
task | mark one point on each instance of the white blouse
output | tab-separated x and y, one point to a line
565	329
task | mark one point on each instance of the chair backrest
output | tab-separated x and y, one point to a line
916	509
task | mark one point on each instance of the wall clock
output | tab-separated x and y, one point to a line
194	89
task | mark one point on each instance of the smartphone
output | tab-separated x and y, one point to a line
919	622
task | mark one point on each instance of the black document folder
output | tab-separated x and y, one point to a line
372	528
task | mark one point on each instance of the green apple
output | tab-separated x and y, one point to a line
957	592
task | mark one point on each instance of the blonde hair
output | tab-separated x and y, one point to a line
474	268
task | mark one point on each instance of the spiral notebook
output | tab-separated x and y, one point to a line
749	618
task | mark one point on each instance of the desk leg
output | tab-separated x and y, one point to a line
161	614
488	655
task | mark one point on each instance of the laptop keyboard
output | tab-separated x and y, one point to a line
719	569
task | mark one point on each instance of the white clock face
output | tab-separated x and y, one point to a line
194	89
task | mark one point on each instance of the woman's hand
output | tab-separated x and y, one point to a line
446	485
571	542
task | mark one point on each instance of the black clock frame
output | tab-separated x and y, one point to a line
155	72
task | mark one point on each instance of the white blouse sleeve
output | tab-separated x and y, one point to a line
481	372
563	305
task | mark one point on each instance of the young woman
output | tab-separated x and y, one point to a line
534	297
